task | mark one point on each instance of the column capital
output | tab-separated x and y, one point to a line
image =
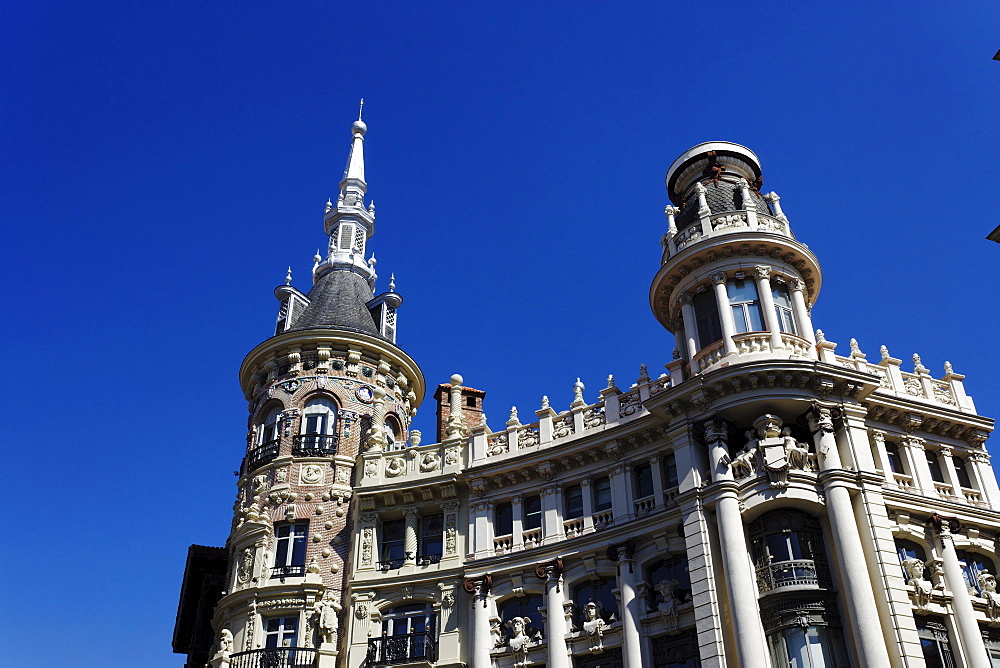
480	586
716	430
796	285
410	511
762	271
718	278
622	553
685	299
945	450
551	571
821	418
944	527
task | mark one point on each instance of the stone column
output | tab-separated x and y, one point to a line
482	639
555	636
856	585
965	616
803	322
913	447
588	502
619	493
748	203
948	466
552	527
456	425
657	470
690	330
410	534
878	438
630	603
725	312
751	646
482	526
763	275
517	522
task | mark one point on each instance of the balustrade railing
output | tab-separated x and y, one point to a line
944	489
503	544
796	344
393	650
314	445
393	564
573	527
288	571
427	559
274	657
903	481
797	573
532	538
603	518
261	453
972	496
645	505
752	342
710	354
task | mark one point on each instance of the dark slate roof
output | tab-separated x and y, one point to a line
721	197
338	301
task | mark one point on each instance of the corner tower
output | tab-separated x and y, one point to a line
330	383
734	284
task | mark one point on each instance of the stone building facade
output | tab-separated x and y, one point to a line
762	501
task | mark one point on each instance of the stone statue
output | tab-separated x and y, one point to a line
745	463
798	454
668	606
593	626
519	640
328	620
988	584
915	576
495	633
225	644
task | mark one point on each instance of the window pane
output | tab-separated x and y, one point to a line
643	481
602	494
781	297
574	502
740	319
798	650
741	290
961	472
934	465
504	520
755	318
532	512
669	466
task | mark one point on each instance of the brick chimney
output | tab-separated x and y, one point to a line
472	407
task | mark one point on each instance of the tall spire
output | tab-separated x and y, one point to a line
354	173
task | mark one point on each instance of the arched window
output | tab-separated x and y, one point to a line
975	564
409	634
267	441
319	429
671	570
787	549
523	606
600	591
907	549
393	434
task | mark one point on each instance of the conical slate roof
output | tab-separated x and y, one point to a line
338	301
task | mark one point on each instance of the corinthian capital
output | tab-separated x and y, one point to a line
717	278
762	271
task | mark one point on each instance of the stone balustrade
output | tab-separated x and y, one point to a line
721	224
573	527
711	354
503	544
603	519
645	505
531	538
416	463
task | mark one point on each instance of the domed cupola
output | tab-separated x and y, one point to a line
734	284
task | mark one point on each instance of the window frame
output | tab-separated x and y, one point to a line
291	548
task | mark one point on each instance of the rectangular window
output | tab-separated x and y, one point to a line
643	481
669	467
934	643
743	300
573	502
706	313
961	472
934	465
431	538
281	632
895	459
783	308
602	494
393	540
503	520
290	550
532	512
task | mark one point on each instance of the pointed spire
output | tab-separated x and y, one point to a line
354	173
288	277
392	282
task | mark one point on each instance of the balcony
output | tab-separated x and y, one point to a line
394	650
314	445
394	564
261	454
288	571
278	657
428	559
802	573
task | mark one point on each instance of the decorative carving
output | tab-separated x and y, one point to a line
451	456
562	427
745	463
430	462
668	606
718	278
629	404
593	626
915	576
773	449
395	467
495	633
762	272
367	540
988	585
497	445
593	417
327	617
245	569
311	474
226	643
371	468
361	610
527	438
519	640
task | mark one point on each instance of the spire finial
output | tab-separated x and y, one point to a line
392	282
288	277
361	108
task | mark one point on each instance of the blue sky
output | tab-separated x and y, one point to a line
165	162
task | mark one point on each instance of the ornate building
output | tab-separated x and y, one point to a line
764	501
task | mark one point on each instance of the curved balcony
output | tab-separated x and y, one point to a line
275	657
261	454
394	650
723	223
314	445
801	573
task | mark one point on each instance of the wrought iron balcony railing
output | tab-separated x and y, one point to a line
393	564
392	650
802	572
260	454
277	657
288	571
425	559
314	445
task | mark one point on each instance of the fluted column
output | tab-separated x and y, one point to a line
763	276
725	312
803	322
690	330
482	639
856	585
751	646
410	535
961	602
555	635
630	603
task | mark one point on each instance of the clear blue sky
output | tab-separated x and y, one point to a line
164	162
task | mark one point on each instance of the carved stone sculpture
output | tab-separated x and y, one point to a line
745	463
798	454
395	466
225	644
593	626
988	584
495	633
772	448
430	462
519	640
668	606
915	576
328	620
